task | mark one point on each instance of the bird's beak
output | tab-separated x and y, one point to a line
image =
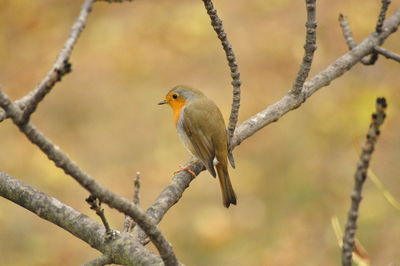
162	102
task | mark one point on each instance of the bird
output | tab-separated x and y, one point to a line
201	129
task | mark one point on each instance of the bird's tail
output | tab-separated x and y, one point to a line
228	194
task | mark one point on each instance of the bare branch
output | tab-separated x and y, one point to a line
171	194
76	223
388	54
99	261
61	66
129	224
359	178
309	48
62	161
216	22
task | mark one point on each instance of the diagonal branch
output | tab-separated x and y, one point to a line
216	22
76	223
359	178
62	161
61	66
171	194
309	48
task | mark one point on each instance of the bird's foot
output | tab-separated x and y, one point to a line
187	169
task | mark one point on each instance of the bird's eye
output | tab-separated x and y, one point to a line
175	96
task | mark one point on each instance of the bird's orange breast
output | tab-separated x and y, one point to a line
177	108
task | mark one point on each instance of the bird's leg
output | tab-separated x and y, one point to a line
187	169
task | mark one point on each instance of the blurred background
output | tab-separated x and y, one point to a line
290	178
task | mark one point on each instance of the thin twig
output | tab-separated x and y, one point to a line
388	54
382	15
359	178
61	66
216	22
378	29
129	224
95	204
99	261
309	48
62	161
346	31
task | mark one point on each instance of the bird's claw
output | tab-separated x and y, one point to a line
187	169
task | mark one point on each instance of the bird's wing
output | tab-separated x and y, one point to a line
201	142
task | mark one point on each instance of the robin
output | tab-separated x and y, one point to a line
202	131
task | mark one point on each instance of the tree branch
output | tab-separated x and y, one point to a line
62	161
123	249
309	48
216	22
359	178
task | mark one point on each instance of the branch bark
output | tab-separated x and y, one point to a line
309	47
123	249
359	178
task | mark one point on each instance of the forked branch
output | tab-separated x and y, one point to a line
348	36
